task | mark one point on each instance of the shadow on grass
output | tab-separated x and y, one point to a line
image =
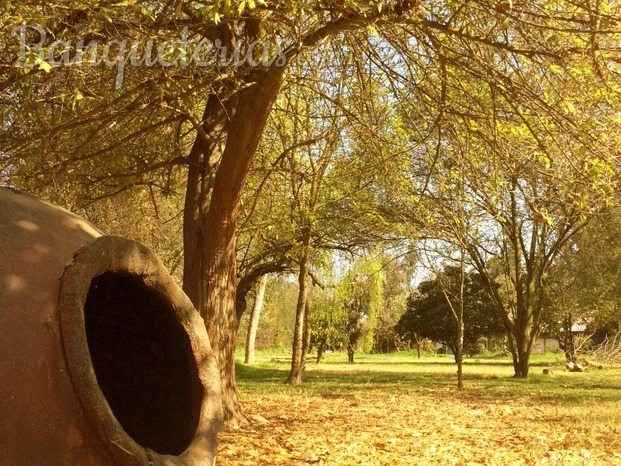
261	377
432	362
421	363
325	379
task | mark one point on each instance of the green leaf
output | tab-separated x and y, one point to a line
45	66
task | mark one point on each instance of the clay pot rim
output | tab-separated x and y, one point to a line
115	254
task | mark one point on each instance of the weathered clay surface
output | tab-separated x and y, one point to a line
59	275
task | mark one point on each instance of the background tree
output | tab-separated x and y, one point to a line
398	269
584	285
253	321
277	315
345	314
324	324
429	315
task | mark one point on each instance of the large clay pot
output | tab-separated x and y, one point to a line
103	359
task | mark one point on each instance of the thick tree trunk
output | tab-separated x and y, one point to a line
297	357
521	363
218	166
525	335
253	324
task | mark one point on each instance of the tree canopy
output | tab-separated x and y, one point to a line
428	314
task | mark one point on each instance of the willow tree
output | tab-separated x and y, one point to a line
345	314
80	132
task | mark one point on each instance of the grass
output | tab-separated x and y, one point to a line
404	372
570	418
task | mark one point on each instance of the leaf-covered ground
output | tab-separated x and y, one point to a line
397	423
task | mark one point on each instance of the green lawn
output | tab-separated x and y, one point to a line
484	377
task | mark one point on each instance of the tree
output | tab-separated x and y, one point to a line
307	170
584	285
362	299
518	222
323	323
429	314
253	323
512	182
454	296
277	315
344	315
318	172
398	269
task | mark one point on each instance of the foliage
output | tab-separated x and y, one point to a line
397	270
584	284
277	315
512	184
345	317
429	316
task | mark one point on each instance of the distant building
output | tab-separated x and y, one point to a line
547	343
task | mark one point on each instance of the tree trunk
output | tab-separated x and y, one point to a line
307	335
521	362
253	325
320	351
249	281
351	351
524	338
218	165
569	346
457	309
459	355
297	356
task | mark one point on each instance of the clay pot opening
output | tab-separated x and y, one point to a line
138	356
143	362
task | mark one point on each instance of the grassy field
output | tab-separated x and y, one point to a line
397	410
